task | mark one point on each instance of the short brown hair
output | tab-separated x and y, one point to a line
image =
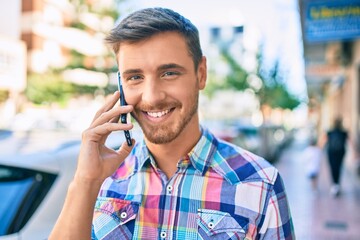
147	22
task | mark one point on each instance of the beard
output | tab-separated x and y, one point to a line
166	132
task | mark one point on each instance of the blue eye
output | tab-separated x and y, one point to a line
169	74
134	78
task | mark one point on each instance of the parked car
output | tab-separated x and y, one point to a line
267	141
5	133
33	188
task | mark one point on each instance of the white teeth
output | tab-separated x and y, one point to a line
158	114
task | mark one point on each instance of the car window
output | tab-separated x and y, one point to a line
21	192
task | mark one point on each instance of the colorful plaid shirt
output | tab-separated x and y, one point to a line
220	191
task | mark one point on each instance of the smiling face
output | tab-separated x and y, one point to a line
160	81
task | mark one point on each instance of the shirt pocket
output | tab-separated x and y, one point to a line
213	224
114	218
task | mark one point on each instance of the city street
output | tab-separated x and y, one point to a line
277	75
317	214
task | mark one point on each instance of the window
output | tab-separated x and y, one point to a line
21	190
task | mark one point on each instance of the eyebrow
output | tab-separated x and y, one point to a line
160	68
131	71
170	65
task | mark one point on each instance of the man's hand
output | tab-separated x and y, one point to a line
96	161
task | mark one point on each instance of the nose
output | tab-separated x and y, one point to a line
153	92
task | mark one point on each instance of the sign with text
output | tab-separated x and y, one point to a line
12	65
331	20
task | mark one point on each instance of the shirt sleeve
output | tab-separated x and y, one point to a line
277	222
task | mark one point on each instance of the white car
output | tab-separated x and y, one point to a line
33	188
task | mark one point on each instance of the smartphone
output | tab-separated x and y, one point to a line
123	117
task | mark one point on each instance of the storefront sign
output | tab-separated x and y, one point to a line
331	20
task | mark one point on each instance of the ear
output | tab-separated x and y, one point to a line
202	73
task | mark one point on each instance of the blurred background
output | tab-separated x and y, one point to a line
280	72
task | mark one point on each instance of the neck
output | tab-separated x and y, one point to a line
168	155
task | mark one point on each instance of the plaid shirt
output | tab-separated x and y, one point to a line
220	191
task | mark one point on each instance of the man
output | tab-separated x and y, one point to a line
180	182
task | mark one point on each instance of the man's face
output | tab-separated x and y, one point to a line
160	81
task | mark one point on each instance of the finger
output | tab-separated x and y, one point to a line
111	114
125	149
97	134
114	120
107	117
111	100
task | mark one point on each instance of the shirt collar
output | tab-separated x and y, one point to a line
200	156
208	152
143	155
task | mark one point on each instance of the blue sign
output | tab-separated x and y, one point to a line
331	20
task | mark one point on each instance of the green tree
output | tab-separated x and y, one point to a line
50	87
274	91
237	78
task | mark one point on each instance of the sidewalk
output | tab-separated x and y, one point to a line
317	214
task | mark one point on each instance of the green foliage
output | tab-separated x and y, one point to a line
113	13
82	5
278	96
47	88
212	84
4	94
83	89
237	77
78	25
274	91
51	88
77	60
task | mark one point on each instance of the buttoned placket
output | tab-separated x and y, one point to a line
170	202
169	189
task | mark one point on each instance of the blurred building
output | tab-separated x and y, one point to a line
12	58
12	49
331	38
59	32
43	37
54	31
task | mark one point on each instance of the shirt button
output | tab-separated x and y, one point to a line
123	215
163	234
211	225
169	188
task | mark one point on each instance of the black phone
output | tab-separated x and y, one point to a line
123	117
